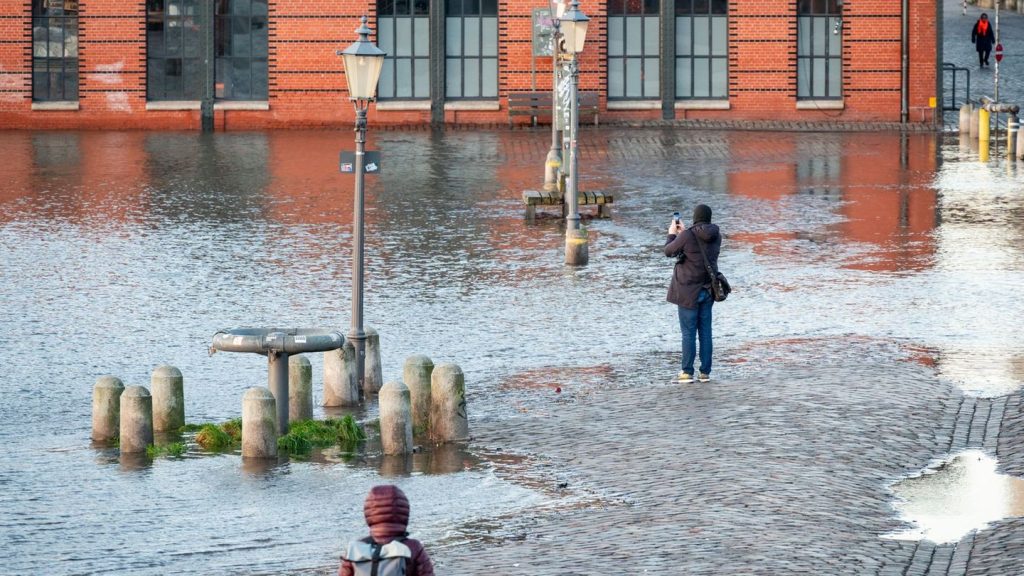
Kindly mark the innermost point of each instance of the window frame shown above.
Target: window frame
(190, 87)
(714, 10)
(224, 63)
(622, 10)
(391, 59)
(461, 59)
(63, 67)
(819, 17)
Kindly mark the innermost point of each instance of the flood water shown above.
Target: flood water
(124, 251)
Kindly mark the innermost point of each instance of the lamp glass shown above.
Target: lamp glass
(574, 29)
(363, 72)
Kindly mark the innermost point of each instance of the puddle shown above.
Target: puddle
(954, 497)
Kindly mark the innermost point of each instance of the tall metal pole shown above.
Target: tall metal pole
(356, 334)
(573, 217)
(996, 75)
(553, 163)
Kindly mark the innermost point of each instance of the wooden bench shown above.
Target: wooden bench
(534, 198)
(538, 105)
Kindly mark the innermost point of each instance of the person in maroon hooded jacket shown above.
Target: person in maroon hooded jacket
(387, 514)
(690, 286)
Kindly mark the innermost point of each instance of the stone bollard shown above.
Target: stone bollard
(975, 115)
(168, 390)
(1012, 128)
(373, 373)
(340, 384)
(300, 389)
(577, 251)
(395, 419)
(1020, 144)
(106, 408)
(448, 419)
(965, 119)
(259, 424)
(136, 420)
(416, 373)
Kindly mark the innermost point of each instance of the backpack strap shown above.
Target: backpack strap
(703, 252)
(375, 563)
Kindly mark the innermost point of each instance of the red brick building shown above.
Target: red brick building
(272, 63)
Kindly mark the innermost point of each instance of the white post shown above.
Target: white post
(374, 377)
(136, 420)
(300, 389)
(106, 408)
(448, 419)
(395, 419)
(341, 387)
(168, 390)
(259, 424)
(416, 373)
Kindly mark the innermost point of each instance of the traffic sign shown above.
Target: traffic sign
(999, 52)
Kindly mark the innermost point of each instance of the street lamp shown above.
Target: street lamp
(553, 162)
(363, 62)
(573, 27)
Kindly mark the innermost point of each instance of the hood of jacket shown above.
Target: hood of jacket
(705, 231)
(387, 512)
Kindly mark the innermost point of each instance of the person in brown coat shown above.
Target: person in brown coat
(387, 514)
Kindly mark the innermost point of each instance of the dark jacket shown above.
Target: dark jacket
(387, 514)
(983, 42)
(689, 275)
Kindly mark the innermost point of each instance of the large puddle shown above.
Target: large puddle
(956, 496)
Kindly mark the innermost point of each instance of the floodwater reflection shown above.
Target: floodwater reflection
(956, 496)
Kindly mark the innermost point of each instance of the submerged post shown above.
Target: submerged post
(965, 119)
(136, 420)
(168, 390)
(340, 387)
(106, 408)
(300, 389)
(259, 424)
(448, 418)
(395, 419)
(1012, 127)
(416, 373)
(278, 370)
(374, 377)
(975, 115)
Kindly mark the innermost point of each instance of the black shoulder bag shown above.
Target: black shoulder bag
(720, 287)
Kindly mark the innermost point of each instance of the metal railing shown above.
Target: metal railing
(951, 71)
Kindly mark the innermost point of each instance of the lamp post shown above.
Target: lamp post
(363, 62)
(553, 163)
(573, 27)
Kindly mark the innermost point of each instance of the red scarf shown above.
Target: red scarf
(982, 27)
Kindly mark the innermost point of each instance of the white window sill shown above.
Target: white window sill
(241, 105)
(634, 104)
(703, 105)
(471, 105)
(820, 105)
(397, 105)
(56, 106)
(173, 105)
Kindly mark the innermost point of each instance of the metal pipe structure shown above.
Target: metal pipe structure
(905, 62)
(356, 334)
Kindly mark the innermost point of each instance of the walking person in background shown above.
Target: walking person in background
(689, 289)
(983, 37)
(388, 550)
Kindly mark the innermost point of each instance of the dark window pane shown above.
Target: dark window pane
(421, 7)
(803, 7)
(701, 6)
(489, 8)
(453, 8)
(402, 7)
(652, 6)
(259, 7)
(818, 6)
(385, 7)
(616, 7)
(259, 80)
(683, 7)
(471, 7)
(719, 6)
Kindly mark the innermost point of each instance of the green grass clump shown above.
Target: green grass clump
(233, 428)
(305, 435)
(212, 437)
(172, 450)
(190, 428)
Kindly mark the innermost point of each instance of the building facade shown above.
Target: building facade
(249, 64)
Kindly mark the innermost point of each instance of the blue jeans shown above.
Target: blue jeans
(694, 323)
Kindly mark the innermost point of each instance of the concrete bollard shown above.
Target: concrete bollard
(395, 419)
(1020, 144)
(136, 420)
(259, 424)
(416, 373)
(300, 389)
(106, 408)
(448, 418)
(340, 384)
(577, 250)
(965, 119)
(373, 373)
(975, 115)
(168, 390)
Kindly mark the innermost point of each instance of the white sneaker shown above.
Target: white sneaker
(685, 378)
(704, 377)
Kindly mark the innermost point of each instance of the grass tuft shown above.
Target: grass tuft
(305, 435)
(212, 437)
(172, 450)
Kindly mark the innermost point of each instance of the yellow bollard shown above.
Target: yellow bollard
(983, 125)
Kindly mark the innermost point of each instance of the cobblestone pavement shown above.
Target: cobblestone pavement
(958, 50)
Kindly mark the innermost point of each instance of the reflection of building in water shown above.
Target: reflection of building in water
(879, 181)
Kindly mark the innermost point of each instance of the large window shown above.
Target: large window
(702, 49)
(172, 50)
(819, 50)
(54, 50)
(403, 31)
(471, 49)
(633, 47)
(240, 37)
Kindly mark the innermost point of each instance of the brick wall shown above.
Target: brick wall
(307, 84)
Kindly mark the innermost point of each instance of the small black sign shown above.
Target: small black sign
(371, 162)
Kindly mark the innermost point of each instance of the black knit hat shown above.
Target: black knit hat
(702, 213)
